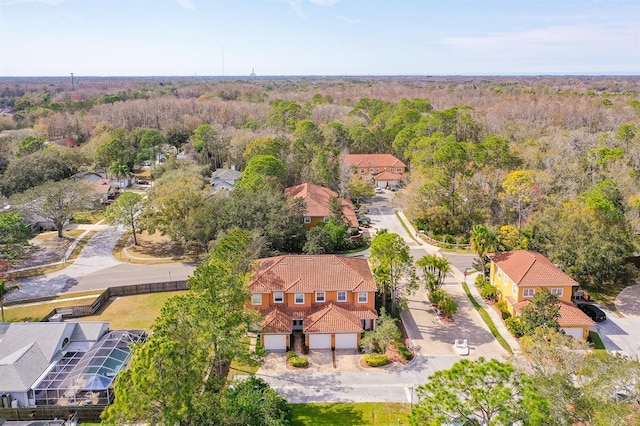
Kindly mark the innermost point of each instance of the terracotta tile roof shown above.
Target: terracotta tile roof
(387, 176)
(299, 287)
(317, 199)
(332, 319)
(373, 160)
(319, 273)
(528, 268)
(570, 315)
(276, 321)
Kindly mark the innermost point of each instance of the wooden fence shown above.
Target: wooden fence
(59, 314)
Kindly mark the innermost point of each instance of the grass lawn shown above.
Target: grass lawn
(36, 312)
(607, 295)
(594, 338)
(366, 413)
(135, 312)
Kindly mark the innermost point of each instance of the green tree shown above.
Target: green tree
(582, 386)
(626, 133)
(5, 289)
(14, 233)
(29, 145)
(119, 170)
(434, 266)
(285, 114)
(360, 187)
(483, 241)
(543, 312)
(386, 330)
(518, 189)
(113, 151)
(393, 268)
(173, 204)
(263, 171)
(210, 144)
(479, 392)
(252, 402)
(126, 211)
(57, 202)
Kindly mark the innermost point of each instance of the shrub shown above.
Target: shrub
(376, 360)
(404, 352)
(489, 292)
(291, 354)
(448, 306)
(481, 282)
(436, 296)
(299, 361)
(259, 349)
(502, 305)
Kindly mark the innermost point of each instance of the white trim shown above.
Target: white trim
(281, 293)
(256, 299)
(324, 296)
(295, 298)
(307, 219)
(344, 299)
(366, 297)
(528, 292)
(558, 292)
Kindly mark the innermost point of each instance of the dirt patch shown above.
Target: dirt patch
(44, 249)
(154, 246)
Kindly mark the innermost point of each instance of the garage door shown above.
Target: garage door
(346, 341)
(320, 341)
(275, 342)
(574, 332)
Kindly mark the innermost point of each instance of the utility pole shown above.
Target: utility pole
(73, 86)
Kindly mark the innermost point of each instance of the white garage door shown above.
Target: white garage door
(319, 341)
(275, 342)
(346, 341)
(573, 332)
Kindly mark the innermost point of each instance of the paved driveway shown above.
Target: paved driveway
(620, 334)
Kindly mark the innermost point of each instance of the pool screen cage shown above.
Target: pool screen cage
(86, 378)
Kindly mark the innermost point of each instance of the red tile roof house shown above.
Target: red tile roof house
(384, 169)
(326, 300)
(520, 274)
(317, 199)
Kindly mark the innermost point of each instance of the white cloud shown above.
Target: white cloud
(348, 20)
(187, 4)
(49, 2)
(324, 2)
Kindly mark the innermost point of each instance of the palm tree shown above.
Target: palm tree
(4, 290)
(119, 170)
(483, 241)
(435, 270)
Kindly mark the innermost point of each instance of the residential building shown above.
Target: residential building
(317, 200)
(520, 274)
(385, 169)
(326, 300)
(224, 179)
(62, 364)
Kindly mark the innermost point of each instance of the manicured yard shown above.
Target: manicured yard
(134, 312)
(366, 413)
(36, 312)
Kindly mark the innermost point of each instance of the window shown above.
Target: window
(361, 171)
(499, 274)
(307, 219)
(557, 292)
(377, 169)
(528, 292)
(505, 279)
(370, 169)
(320, 297)
(278, 297)
(256, 299)
(299, 299)
(514, 288)
(326, 218)
(399, 171)
(363, 297)
(342, 296)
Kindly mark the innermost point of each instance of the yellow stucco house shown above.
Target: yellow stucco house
(520, 274)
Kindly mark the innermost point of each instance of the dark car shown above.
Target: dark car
(364, 219)
(592, 311)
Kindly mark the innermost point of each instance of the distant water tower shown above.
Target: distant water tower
(253, 72)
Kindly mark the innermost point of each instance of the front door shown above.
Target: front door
(297, 324)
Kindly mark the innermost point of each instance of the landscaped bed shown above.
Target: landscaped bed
(367, 413)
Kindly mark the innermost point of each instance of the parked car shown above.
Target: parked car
(592, 311)
(143, 182)
(364, 219)
(379, 190)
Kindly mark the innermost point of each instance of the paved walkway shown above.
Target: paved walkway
(95, 256)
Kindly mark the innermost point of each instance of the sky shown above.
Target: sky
(318, 37)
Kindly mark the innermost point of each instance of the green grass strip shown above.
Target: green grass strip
(487, 319)
(594, 338)
(406, 228)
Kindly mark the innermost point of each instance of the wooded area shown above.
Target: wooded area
(546, 163)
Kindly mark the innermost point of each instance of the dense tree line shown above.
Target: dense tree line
(532, 159)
